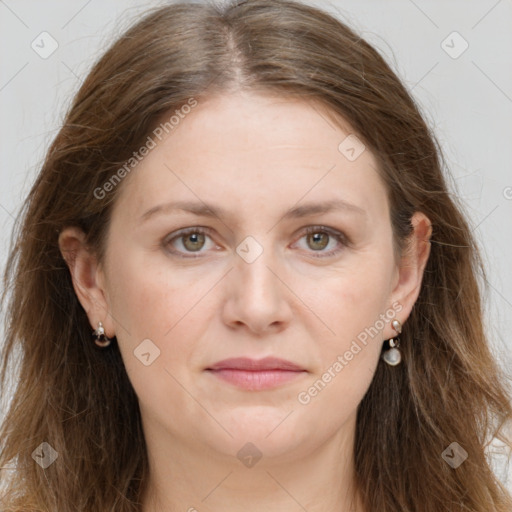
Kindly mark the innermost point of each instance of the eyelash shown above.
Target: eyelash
(338, 236)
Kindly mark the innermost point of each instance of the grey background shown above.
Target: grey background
(467, 100)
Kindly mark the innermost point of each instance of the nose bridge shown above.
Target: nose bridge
(256, 296)
(255, 256)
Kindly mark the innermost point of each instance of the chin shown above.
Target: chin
(271, 436)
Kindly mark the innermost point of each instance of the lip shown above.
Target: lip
(256, 374)
(246, 363)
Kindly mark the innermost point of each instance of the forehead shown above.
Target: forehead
(255, 150)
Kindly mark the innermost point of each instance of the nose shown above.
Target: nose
(257, 296)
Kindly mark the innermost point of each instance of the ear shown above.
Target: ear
(411, 268)
(87, 276)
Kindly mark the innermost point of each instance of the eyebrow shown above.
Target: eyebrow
(206, 210)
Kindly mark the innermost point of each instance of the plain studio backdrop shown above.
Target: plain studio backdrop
(454, 56)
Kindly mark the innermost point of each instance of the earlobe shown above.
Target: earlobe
(86, 277)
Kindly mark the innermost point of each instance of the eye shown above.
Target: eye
(189, 240)
(320, 237)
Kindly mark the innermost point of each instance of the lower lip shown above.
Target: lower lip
(256, 380)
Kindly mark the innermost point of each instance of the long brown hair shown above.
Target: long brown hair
(79, 399)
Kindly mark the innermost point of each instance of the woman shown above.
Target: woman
(246, 208)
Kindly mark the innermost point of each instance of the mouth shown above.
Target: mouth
(256, 375)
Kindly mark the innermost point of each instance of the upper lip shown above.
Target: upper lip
(245, 363)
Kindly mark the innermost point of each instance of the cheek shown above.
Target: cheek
(349, 303)
(349, 357)
(156, 301)
(353, 305)
(151, 310)
(148, 298)
(147, 307)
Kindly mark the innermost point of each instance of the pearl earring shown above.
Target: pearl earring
(393, 356)
(100, 338)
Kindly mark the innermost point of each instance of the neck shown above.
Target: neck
(188, 476)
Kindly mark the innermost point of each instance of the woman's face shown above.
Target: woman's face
(248, 281)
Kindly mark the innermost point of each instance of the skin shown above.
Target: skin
(256, 156)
